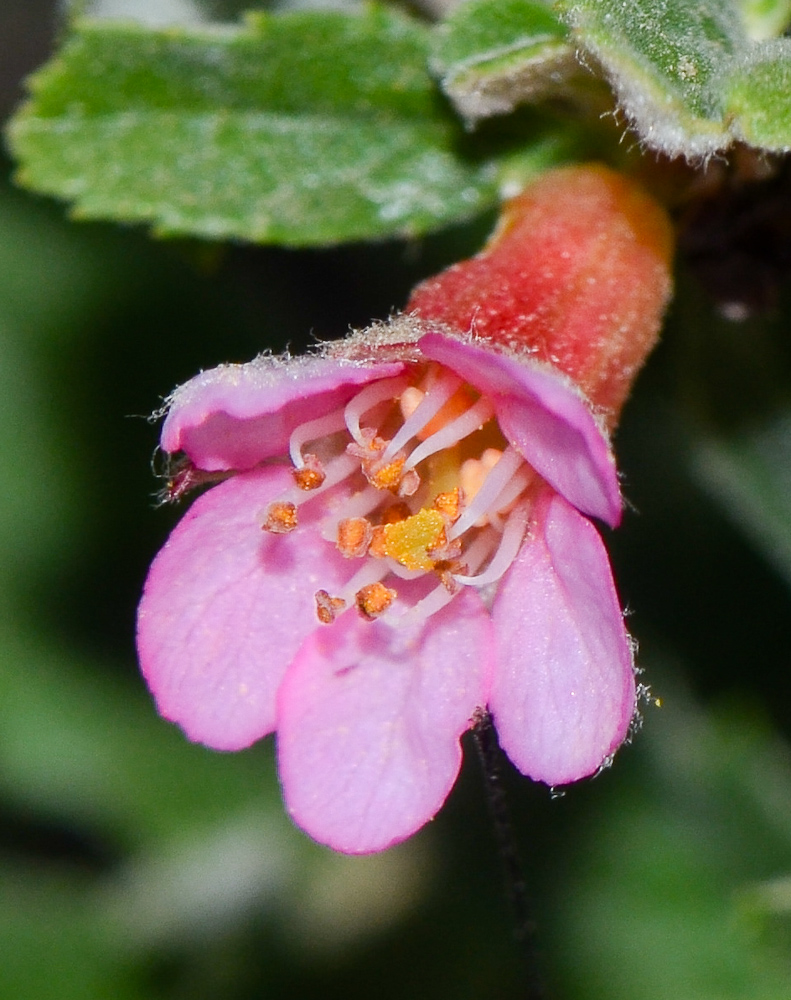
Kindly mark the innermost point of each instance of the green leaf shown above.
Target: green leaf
(302, 129)
(766, 18)
(664, 61)
(493, 55)
(757, 96)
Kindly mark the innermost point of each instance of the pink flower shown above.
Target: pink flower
(504, 600)
(402, 536)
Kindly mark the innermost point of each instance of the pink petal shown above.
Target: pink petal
(225, 608)
(234, 416)
(369, 721)
(544, 418)
(563, 693)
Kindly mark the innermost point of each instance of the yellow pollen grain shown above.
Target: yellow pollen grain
(410, 541)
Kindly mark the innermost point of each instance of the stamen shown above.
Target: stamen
(453, 432)
(515, 486)
(384, 477)
(400, 540)
(276, 513)
(311, 430)
(335, 472)
(366, 399)
(281, 518)
(510, 543)
(328, 608)
(485, 498)
(480, 551)
(354, 537)
(433, 602)
(361, 504)
(311, 475)
(449, 504)
(373, 600)
(372, 571)
(432, 402)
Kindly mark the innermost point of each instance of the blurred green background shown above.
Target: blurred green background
(134, 865)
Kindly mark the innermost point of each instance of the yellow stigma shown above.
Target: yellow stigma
(411, 541)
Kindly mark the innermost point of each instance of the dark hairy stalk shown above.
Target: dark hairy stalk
(490, 755)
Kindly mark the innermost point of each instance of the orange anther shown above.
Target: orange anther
(378, 544)
(445, 570)
(281, 517)
(386, 478)
(374, 600)
(311, 475)
(354, 537)
(328, 608)
(449, 504)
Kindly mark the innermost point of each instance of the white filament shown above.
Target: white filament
(510, 543)
(361, 504)
(431, 403)
(469, 422)
(433, 602)
(372, 571)
(311, 430)
(486, 497)
(336, 471)
(376, 392)
(515, 486)
(401, 571)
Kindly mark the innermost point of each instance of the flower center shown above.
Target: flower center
(426, 486)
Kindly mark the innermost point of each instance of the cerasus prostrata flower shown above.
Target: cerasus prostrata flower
(401, 535)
